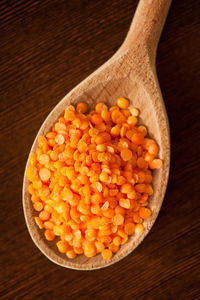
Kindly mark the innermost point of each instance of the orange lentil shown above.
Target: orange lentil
(62, 207)
(147, 143)
(124, 239)
(39, 222)
(106, 136)
(115, 131)
(119, 210)
(101, 147)
(67, 194)
(49, 235)
(101, 127)
(51, 135)
(141, 163)
(123, 130)
(97, 187)
(132, 195)
(148, 157)
(62, 246)
(121, 233)
(118, 219)
(106, 240)
(90, 179)
(140, 187)
(44, 174)
(99, 246)
(125, 203)
(37, 184)
(148, 178)
(101, 107)
(141, 177)
(96, 119)
(60, 127)
(134, 111)
(49, 225)
(31, 173)
(104, 177)
(142, 129)
(44, 159)
(59, 139)
(122, 102)
(106, 116)
(44, 215)
(126, 188)
(132, 120)
(156, 164)
(106, 253)
(129, 228)
(117, 117)
(95, 209)
(33, 159)
(70, 173)
(112, 247)
(38, 206)
(137, 138)
(126, 154)
(117, 240)
(109, 213)
(34, 198)
(99, 139)
(126, 112)
(69, 115)
(139, 228)
(71, 254)
(68, 236)
(144, 212)
(121, 180)
(78, 250)
(81, 108)
(112, 108)
(76, 122)
(136, 218)
(89, 249)
(153, 149)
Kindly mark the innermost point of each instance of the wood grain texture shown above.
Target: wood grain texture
(48, 47)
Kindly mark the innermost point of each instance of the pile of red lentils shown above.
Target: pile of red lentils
(91, 179)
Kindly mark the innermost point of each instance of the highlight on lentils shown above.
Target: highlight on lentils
(90, 179)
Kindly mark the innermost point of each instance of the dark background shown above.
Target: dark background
(47, 48)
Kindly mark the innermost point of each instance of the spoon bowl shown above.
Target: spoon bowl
(129, 73)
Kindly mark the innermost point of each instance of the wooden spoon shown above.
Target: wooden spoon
(129, 73)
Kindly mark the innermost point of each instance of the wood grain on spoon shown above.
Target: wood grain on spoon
(129, 73)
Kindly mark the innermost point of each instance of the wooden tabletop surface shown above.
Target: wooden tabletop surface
(46, 48)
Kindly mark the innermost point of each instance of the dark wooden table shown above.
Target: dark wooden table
(46, 48)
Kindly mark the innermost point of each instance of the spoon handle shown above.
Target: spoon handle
(147, 25)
